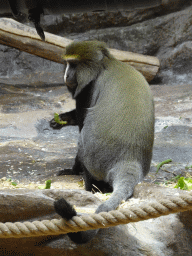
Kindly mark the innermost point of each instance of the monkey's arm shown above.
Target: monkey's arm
(70, 117)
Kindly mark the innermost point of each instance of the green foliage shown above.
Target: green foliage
(46, 186)
(188, 167)
(172, 180)
(14, 183)
(184, 183)
(58, 120)
(162, 163)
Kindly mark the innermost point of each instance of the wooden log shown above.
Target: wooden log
(25, 38)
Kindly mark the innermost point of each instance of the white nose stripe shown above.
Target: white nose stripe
(66, 70)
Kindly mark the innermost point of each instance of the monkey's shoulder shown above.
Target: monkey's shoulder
(122, 73)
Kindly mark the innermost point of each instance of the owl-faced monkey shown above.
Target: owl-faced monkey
(115, 115)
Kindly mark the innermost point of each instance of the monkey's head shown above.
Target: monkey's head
(85, 60)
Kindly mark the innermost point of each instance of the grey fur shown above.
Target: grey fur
(116, 121)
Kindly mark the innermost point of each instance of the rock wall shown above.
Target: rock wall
(163, 31)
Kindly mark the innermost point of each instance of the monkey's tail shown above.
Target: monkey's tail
(66, 211)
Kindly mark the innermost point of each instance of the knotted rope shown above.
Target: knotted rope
(144, 211)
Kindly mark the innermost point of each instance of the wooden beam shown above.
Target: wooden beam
(25, 38)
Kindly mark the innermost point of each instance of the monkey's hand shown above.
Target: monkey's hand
(59, 121)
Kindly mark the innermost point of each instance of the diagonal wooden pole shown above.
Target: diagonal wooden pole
(25, 38)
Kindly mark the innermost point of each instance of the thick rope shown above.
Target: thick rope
(144, 211)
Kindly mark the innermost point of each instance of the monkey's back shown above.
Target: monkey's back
(120, 121)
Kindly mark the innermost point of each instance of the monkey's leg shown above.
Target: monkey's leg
(78, 168)
(70, 117)
(87, 179)
(34, 16)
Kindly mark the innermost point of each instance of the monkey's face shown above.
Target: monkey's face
(70, 76)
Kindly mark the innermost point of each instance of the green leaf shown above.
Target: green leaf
(184, 183)
(58, 120)
(47, 184)
(14, 183)
(162, 163)
(188, 167)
